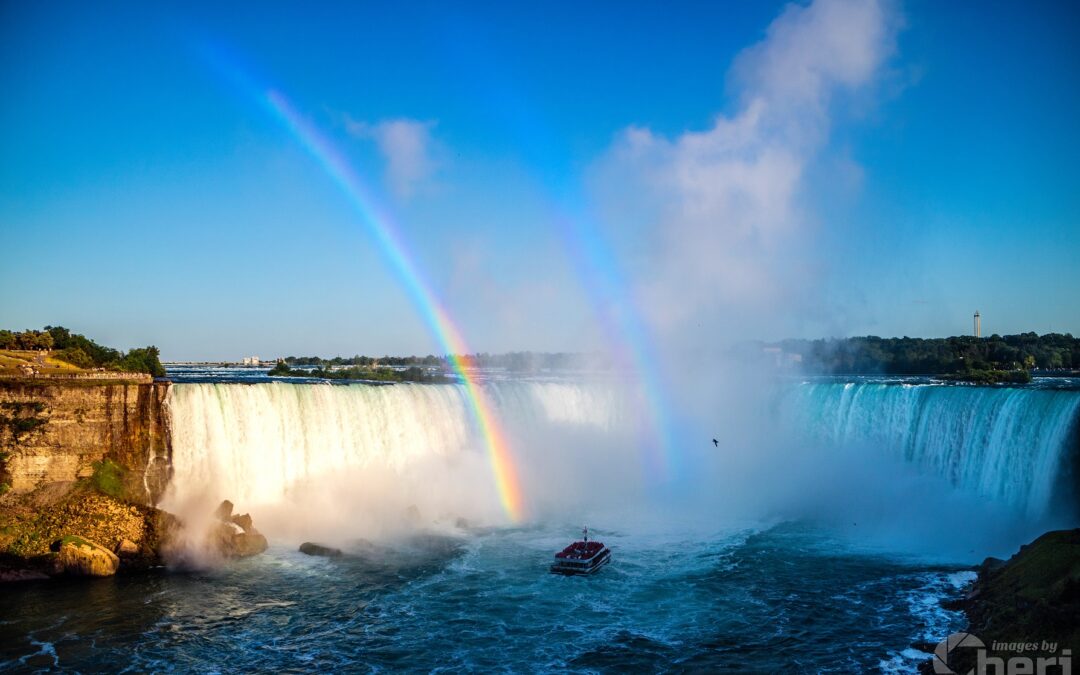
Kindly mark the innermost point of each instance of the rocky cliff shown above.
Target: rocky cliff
(55, 431)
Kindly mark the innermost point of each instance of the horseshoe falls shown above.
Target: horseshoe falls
(267, 444)
(434, 576)
(1017, 446)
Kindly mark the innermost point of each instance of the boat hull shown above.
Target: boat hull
(581, 567)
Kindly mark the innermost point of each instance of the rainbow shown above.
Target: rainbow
(628, 336)
(381, 227)
(615, 307)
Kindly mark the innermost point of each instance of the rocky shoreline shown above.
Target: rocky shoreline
(1025, 608)
(73, 529)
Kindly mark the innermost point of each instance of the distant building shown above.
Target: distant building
(978, 324)
(252, 361)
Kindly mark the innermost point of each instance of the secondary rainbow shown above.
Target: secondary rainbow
(380, 226)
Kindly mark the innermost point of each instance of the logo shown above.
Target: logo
(946, 648)
(1009, 658)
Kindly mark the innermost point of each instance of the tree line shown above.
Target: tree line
(82, 352)
(363, 372)
(512, 361)
(936, 356)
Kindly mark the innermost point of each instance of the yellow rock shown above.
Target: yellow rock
(80, 557)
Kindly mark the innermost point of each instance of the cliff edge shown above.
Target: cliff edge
(55, 430)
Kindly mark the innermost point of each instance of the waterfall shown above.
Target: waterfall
(367, 448)
(260, 443)
(1013, 445)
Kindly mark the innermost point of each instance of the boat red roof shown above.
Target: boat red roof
(580, 550)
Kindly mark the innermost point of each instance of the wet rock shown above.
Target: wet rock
(1035, 595)
(245, 523)
(224, 512)
(126, 548)
(990, 565)
(311, 548)
(235, 536)
(80, 557)
(232, 542)
(247, 544)
(11, 576)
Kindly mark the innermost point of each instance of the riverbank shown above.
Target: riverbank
(80, 529)
(1027, 607)
(34, 527)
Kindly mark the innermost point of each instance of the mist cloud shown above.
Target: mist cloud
(722, 211)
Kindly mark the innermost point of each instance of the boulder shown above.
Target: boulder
(126, 548)
(232, 542)
(235, 536)
(247, 544)
(245, 523)
(224, 512)
(311, 548)
(80, 557)
(7, 575)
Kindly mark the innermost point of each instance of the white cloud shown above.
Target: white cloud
(407, 147)
(722, 209)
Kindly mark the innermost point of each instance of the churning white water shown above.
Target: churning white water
(330, 461)
(392, 450)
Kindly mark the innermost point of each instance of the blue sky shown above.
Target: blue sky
(145, 197)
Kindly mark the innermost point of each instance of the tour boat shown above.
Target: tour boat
(581, 557)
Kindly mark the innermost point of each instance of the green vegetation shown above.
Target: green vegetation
(991, 359)
(513, 361)
(71, 539)
(1033, 596)
(18, 420)
(27, 340)
(145, 360)
(108, 478)
(82, 352)
(1019, 376)
(372, 373)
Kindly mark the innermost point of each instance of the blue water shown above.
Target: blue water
(778, 596)
(785, 599)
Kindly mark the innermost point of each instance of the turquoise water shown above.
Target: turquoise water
(786, 599)
(782, 594)
(1012, 445)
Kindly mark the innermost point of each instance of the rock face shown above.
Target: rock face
(311, 548)
(30, 524)
(224, 511)
(236, 536)
(1034, 597)
(53, 431)
(83, 558)
(243, 522)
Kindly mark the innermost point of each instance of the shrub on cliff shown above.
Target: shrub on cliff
(81, 351)
(64, 340)
(76, 357)
(108, 478)
(145, 360)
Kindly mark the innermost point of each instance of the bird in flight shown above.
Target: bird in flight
(716, 442)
